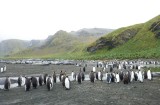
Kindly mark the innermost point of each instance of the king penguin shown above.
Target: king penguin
(45, 78)
(40, 80)
(94, 69)
(121, 75)
(91, 75)
(7, 83)
(100, 75)
(117, 78)
(140, 77)
(132, 76)
(2, 70)
(149, 75)
(136, 76)
(108, 77)
(19, 81)
(60, 76)
(27, 84)
(83, 75)
(49, 83)
(79, 78)
(34, 82)
(145, 74)
(63, 80)
(67, 83)
(54, 76)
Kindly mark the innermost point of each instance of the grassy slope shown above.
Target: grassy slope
(143, 45)
(62, 45)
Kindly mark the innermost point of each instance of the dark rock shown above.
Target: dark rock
(112, 42)
(155, 28)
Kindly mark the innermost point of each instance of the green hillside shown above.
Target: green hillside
(137, 41)
(132, 42)
(60, 45)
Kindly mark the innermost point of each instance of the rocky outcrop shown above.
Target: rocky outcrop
(112, 42)
(155, 28)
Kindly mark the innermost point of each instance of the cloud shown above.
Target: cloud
(36, 19)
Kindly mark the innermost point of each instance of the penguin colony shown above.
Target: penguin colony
(125, 74)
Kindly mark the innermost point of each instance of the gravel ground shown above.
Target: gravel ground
(87, 93)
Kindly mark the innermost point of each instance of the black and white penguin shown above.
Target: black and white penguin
(94, 69)
(136, 76)
(45, 78)
(2, 70)
(83, 76)
(149, 75)
(19, 81)
(63, 80)
(132, 76)
(27, 84)
(97, 65)
(54, 76)
(91, 75)
(73, 74)
(96, 75)
(129, 76)
(140, 77)
(136, 67)
(41, 80)
(119, 67)
(79, 78)
(108, 77)
(100, 75)
(84, 69)
(7, 83)
(121, 75)
(49, 83)
(67, 83)
(112, 77)
(139, 67)
(111, 69)
(60, 76)
(145, 74)
(117, 78)
(34, 82)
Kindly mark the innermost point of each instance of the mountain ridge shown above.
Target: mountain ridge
(61, 41)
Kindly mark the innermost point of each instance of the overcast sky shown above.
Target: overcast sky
(36, 19)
